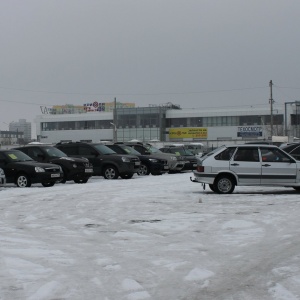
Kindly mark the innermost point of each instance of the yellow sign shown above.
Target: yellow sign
(189, 132)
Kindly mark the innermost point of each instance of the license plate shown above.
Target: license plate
(88, 170)
(55, 175)
(194, 165)
(137, 163)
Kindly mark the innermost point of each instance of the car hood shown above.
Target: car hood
(126, 155)
(33, 163)
(178, 157)
(71, 159)
(166, 156)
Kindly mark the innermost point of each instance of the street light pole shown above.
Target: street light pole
(115, 138)
(115, 132)
(271, 106)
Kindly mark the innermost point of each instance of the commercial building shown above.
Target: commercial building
(170, 123)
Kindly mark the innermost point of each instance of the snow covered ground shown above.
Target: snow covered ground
(152, 237)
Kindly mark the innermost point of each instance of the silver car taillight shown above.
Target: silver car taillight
(200, 169)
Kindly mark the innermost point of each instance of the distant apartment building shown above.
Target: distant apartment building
(23, 127)
(10, 137)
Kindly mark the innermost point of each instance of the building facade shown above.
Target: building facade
(168, 123)
(8, 137)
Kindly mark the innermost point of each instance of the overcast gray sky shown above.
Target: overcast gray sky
(195, 53)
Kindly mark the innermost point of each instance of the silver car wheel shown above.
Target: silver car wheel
(224, 185)
(23, 181)
(143, 170)
(111, 173)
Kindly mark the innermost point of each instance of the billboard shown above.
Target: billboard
(105, 106)
(249, 131)
(188, 132)
(86, 107)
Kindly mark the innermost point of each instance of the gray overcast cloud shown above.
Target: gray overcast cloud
(195, 53)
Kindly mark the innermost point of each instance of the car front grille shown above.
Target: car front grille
(52, 170)
(180, 158)
(163, 162)
(134, 159)
(86, 164)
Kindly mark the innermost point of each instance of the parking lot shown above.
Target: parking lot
(150, 237)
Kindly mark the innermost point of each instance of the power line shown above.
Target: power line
(23, 102)
(278, 89)
(288, 87)
(132, 94)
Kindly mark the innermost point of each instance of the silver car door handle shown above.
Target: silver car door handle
(266, 165)
(234, 164)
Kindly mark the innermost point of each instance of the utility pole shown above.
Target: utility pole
(271, 106)
(115, 121)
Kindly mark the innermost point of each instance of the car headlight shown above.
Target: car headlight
(74, 166)
(153, 160)
(173, 157)
(1, 172)
(125, 159)
(39, 169)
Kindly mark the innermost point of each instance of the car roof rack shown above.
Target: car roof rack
(64, 142)
(134, 143)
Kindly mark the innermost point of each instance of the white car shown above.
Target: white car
(2, 177)
(251, 165)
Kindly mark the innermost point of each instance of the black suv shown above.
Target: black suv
(155, 166)
(106, 162)
(22, 170)
(77, 169)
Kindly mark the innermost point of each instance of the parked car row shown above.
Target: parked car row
(77, 169)
(105, 161)
(175, 163)
(149, 165)
(222, 169)
(78, 161)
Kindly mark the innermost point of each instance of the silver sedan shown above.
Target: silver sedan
(248, 165)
